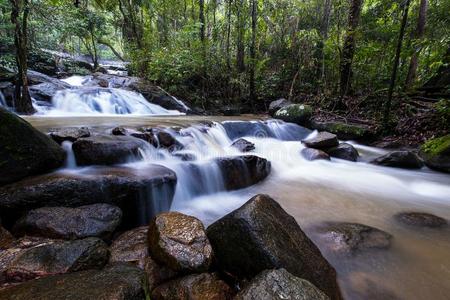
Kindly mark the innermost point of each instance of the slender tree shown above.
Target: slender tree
(240, 27)
(19, 18)
(252, 67)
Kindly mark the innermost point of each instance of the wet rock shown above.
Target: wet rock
(314, 154)
(132, 247)
(399, 159)
(106, 150)
(55, 258)
(179, 242)
(344, 131)
(166, 140)
(146, 136)
(350, 238)
(69, 134)
(436, 154)
(185, 156)
(119, 131)
(35, 78)
(46, 90)
(24, 151)
(243, 171)
(5, 238)
(344, 151)
(194, 287)
(118, 282)
(276, 105)
(420, 219)
(97, 220)
(260, 235)
(295, 113)
(243, 145)
(279, 284)
(322, 140)
(139, 193)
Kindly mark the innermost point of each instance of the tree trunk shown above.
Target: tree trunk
(252, 87)
(228, 36)
(325, 22)
(420, 31)
(387, 108)
(348, 50)
(202, 20)
(116, 53)
(19, 17)
(240, 47)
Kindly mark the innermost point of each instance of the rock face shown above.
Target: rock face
(118, 282)
(420, 219)
(5, 238)
(276, 105)
(69, 134)
(322, 140)
(179, 242)
(295, 113)
(344, 151)
(132, 247)
(106, 150)
(243, 171)
(97, 220)
(344, 131)
(399, 159)
(279, 284)
(260, 235)
(243, 145)
(350, 238)
(151, 188)
(314, 154)
(436, 154)
(194, 287)
(55, 258)
(24, 151)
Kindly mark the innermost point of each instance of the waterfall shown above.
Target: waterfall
(70, 162)
(3, 100)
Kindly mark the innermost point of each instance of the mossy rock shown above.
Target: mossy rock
(6, 74)
(24, 150)
(295, 113)
(344, 131)
(436, 153)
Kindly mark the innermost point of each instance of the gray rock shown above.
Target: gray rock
(399, 159)
(243, 145)
(295, 113)
(420, 219)
(343, 151)
(322, 140)
(314, 154)
(276, 105)
(279, 284)
(69, 134)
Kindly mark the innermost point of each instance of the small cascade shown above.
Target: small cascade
(77, 80)
(70, 162)
(3, 100)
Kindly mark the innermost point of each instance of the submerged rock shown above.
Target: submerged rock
(243, 145)
(343, 151)
(295, 113)
(276, 105)
(24, 151)
(344, 131)
(97, 220)
(420, 219)
(352, 237)
(118, 282)
(279, 284)
(166, 140)
(314, 154)
(260, 235)
(179, 242)
(436, 154)
(69, 134)
(194, 287)
(243, 171)
(399, 159)
(54, 257)
(132, 247)
(322, 140)
(106, 150)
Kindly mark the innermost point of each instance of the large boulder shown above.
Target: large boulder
(420, 219)
(323, 140)
(179, 242)
(279, 284)
(106, 149)
(399, 159)
(54, 257)
(295, 113)
(6, 238)
(344, 131)
(96, 220)
(46, 90)
(194, 287)
(314, 154)
(260, 235)
(276, 105)
(118, 282)
(139, 193)
(243, 171)
(343, 151)
(436, 154)
(132, 247)
(24, 151)
(69, 134)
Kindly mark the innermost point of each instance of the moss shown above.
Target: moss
(295, 110)
(346, 128)
(436, 146)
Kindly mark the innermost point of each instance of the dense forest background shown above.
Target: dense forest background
(361, 57)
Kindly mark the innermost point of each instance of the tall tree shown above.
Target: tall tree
(398, 51)
(418, 35)
(240, 27)
(19, 18)
(348, 50)
(252, 86)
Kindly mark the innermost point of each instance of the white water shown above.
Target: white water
(2, 100)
